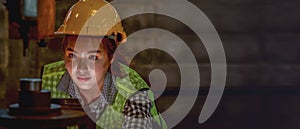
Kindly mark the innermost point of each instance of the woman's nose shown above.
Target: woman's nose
(82, 65)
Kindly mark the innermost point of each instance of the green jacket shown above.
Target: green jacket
(112, 117)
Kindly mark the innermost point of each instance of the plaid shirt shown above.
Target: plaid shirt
(136, 111)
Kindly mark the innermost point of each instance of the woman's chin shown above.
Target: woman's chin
(83, 87)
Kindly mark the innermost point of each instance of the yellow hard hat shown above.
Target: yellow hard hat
(93, 18)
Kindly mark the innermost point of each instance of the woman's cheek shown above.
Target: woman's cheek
(100, 69)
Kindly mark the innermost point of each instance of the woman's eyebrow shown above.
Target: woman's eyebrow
(94, 51)
(70, 49)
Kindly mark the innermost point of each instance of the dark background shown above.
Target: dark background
(261, 42)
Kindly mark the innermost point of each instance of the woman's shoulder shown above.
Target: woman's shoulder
(52, 68)
(55, 65)
(130, 82)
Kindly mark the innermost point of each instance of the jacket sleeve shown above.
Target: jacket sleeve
(137, 112)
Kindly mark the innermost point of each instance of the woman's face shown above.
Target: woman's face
(86, 61)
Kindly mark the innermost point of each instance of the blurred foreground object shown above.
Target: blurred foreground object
(33, 100)
(36, 111)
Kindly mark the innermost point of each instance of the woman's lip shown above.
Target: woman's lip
(83, 79)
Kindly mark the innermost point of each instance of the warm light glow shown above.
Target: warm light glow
(93, 12)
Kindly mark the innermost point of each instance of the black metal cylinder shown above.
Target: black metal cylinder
(30, 84)
(31, 94)
(34, 99)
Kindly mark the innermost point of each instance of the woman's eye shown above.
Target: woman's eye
(93, 57)
(71, 55)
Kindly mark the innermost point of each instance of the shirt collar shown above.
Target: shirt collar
(67, 85)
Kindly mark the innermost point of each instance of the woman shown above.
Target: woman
(113, 95)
